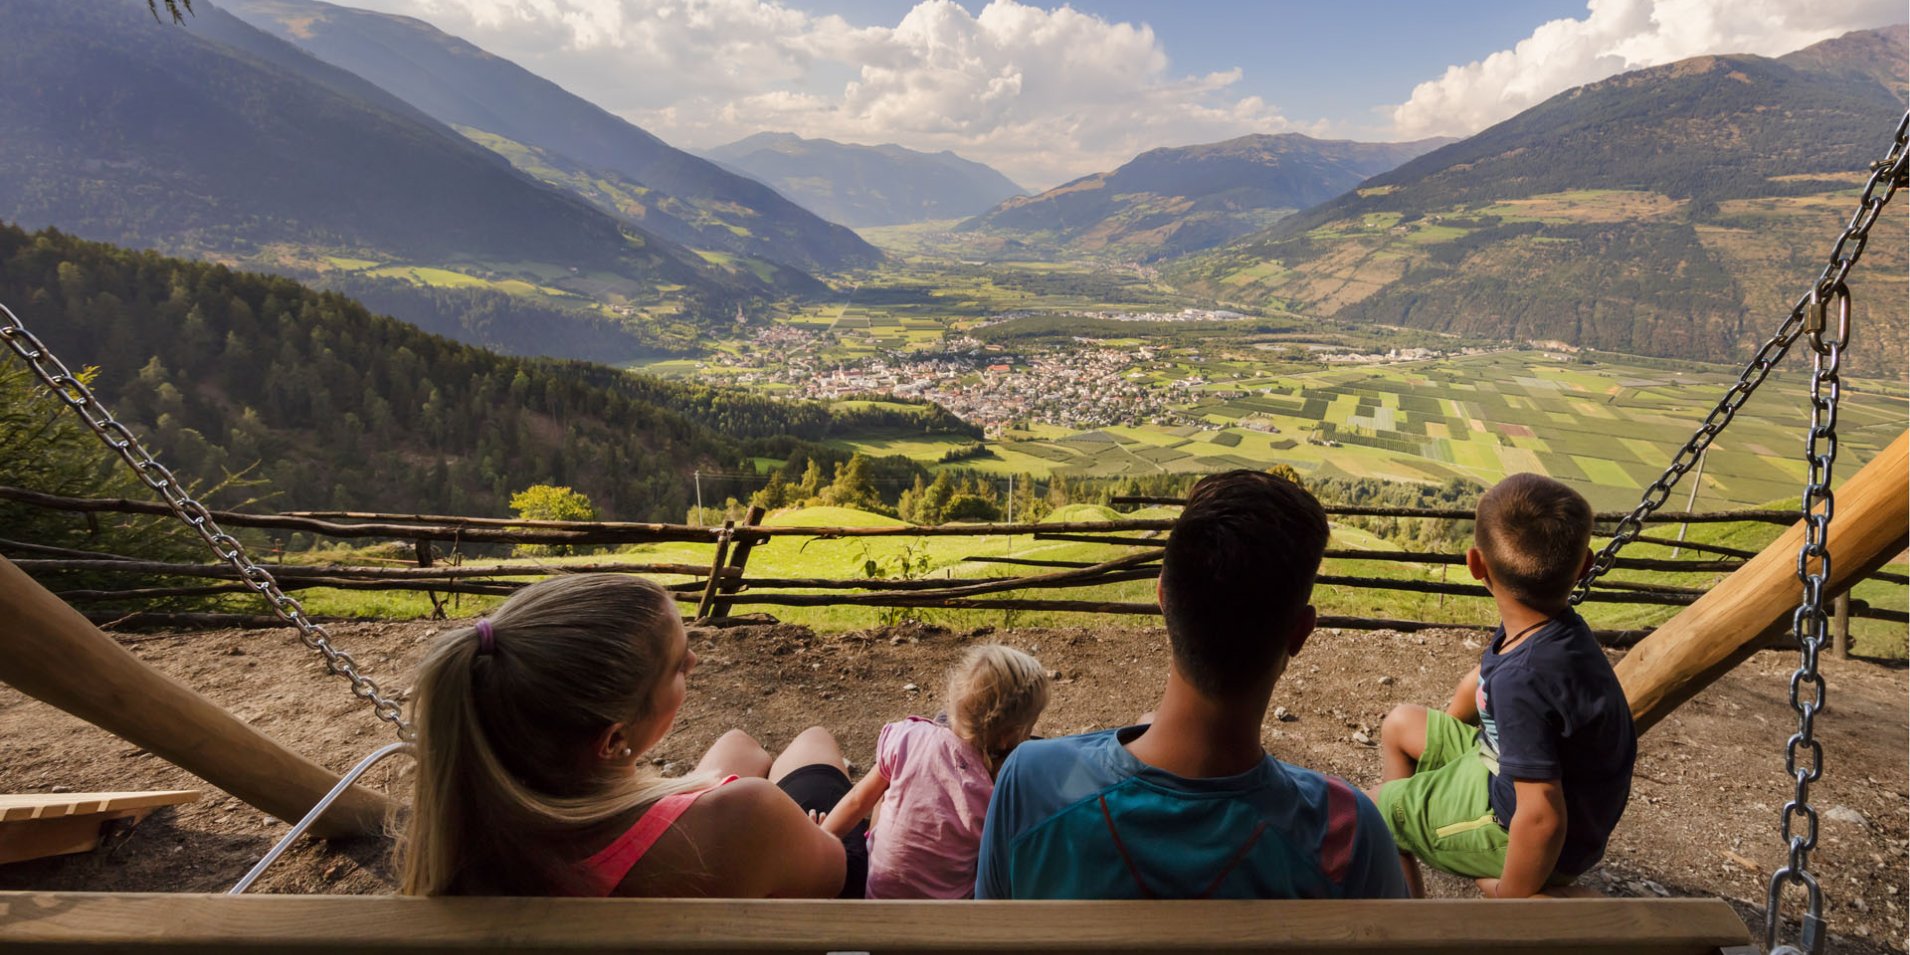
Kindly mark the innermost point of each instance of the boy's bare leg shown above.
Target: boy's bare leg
(1415, 883)
(1402, 740)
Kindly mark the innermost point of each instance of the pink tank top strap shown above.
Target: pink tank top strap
(606, 870)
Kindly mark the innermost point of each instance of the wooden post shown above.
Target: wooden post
(49, 652)
(1722, 628)
(739, 559)
(716, 571)
(423, 550)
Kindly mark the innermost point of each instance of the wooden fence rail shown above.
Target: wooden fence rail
(715, 587)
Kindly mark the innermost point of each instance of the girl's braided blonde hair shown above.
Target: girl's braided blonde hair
(995, 695)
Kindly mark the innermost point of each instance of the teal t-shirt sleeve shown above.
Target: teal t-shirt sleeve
(1375, 871)
(991, 868)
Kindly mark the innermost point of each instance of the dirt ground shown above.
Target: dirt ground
(1703, 817)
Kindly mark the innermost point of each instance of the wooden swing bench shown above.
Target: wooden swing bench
(364, 925)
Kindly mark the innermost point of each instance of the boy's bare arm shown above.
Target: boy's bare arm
(1535, 838)
(1465, 699)
(856, 804)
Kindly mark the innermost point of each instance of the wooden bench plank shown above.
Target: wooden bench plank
(17, 806)
(81, 922)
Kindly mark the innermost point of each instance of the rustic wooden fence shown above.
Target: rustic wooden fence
(722, 584)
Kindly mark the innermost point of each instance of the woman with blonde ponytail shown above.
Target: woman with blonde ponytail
(532, 728)
(933, 778)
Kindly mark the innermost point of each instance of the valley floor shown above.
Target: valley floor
(1703, 818)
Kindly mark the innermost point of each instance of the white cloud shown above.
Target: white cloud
(1042, 94)
(1620, 35)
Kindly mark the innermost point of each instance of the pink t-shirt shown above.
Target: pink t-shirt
(929, 832)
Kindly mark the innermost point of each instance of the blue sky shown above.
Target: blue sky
(1046, 92)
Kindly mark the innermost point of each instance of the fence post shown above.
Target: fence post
(739, 558)
(422, 547)
(716, 570)
(1840, 628)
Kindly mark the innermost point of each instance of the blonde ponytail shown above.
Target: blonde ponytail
(995, 695)
(508, 784)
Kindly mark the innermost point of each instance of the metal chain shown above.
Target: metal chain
(1886, 177)
(1827, 330)
(70, 389)
(1810, 625)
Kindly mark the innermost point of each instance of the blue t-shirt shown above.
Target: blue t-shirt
(1553, 709)
(1081, 818)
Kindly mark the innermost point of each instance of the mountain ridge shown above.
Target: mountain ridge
(1173, 200)
(460, 84)
(867, 185)
(201, 147)
(1656, 212)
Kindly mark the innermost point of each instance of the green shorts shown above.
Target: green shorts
(1443, 814)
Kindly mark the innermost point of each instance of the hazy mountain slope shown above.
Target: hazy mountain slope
(1669, 211)
(1172, 201)
(867, 185)
(694, 201)
(146, 134)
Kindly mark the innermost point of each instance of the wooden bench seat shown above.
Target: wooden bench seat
(362, 925)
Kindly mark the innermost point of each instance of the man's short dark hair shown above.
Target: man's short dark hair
(1533, 532)
(1238, 571)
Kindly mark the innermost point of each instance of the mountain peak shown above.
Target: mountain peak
(863, 185)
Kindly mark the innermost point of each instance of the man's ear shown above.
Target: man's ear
(1585, 567)
(1476, 565)
(1303, 625)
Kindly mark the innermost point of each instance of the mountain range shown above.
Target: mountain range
(1673, 211)
(867, 185)
(561, 138)
(225, 143)
(1172, 201)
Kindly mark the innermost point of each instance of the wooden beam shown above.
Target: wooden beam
(1706, 639)
(37, 825)
(51, 653)
(364, 925)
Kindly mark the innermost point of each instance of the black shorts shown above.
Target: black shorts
(819, 786)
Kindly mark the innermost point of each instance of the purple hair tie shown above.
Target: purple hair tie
(487, 641)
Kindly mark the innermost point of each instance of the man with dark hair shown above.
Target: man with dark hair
(1525, 799)
(1190, 805)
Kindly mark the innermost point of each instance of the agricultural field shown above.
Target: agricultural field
(1608, 428)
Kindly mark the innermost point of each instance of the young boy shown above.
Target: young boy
(1526, 798)
(1190, 805)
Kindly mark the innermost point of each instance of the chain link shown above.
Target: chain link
(70, 389)
(1886, 177)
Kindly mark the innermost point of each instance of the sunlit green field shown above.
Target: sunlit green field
(956, 558)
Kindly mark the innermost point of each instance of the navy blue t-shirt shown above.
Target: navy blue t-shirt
(1552, 709)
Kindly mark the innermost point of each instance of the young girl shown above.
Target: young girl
(532, 728)
(933, 779)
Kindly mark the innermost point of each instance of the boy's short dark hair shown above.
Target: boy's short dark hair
(1239, 567)
(1533, 532)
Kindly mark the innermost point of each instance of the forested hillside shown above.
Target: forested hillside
(343, 408)
(1673, 211)
(562, 138)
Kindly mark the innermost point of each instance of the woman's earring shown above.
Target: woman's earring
(627, 752)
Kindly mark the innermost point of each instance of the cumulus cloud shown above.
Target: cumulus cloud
(1042, 94)
(1620, 35)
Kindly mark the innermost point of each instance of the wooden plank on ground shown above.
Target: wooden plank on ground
(361, 925)
(37, 825)
(17, 806)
